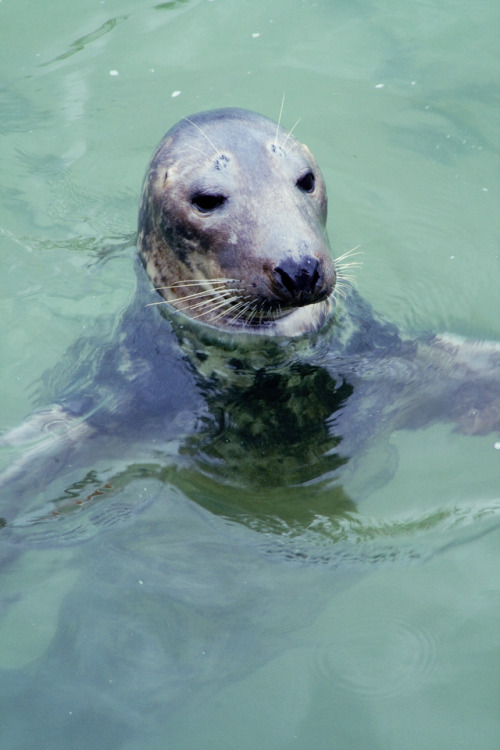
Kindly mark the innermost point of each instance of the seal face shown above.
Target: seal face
(232, 225)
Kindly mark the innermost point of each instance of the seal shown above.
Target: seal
(232, 225)
(232, 236)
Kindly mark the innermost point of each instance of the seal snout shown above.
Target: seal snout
(301, 282)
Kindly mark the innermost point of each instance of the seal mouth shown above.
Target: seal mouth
(224, 303)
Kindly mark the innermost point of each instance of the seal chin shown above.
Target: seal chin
(307, 319)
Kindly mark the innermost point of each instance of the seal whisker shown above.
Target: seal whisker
(348, 277)
(340, 290)
(290, 133)
(270, 314)
(349, 254)
(262, 312)
(197, 295)
(224, 304)
(209, 300)
(243, 308)
(183, 299)
(204, 135)
(209, 158)
(345, 279)
(237, 309)
(279, 121)
(346, 273)
(352, 264)
(208, 293)
(161, 302)
(343, 283)
(257, 310)
(195, 282)
(248, 313)
(250, 318)
(343, 265)
(233, 318)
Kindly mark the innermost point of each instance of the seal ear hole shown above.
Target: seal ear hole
(307, 182)
(205, 203)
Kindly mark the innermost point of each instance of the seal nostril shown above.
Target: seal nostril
(286, 280)
(301, 280)
(315, 276)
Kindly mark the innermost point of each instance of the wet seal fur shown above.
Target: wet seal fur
(252, 375)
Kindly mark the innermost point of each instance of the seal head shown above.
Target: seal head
(232, 225)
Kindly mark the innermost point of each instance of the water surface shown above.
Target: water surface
(169, 624)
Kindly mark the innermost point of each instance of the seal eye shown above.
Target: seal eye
(307, 182)
(205, 203)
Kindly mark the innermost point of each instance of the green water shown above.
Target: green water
(167, 628)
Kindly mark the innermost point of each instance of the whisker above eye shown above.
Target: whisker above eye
(200, 130)
(290, 133)
(209, 158)
(279, 121)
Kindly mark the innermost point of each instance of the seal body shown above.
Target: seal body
(232, 225)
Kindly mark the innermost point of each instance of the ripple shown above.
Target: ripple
(84, 522)
(380, 657)
(365, 543)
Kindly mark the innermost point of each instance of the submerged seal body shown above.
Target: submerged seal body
(232, 225)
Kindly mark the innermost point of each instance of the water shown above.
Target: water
(172, 625)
